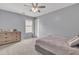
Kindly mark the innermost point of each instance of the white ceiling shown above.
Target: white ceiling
(21, 9)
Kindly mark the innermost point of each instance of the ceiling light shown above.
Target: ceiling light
(34, 9)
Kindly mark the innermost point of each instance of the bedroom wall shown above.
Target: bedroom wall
(14, 21)
(63, 22)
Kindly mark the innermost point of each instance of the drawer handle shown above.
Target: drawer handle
(6, 41)
(6, 37)
(5, 33)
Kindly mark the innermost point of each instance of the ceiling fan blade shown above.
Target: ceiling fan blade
(33, 5)
(39, 11)
(41, 6)
(36, 4)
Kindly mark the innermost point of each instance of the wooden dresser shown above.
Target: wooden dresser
(8, 37)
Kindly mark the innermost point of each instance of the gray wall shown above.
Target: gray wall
(14, 21)
(64, 22)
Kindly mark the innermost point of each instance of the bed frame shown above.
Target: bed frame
(43, 51)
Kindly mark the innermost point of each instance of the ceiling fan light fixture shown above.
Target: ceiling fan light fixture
(34, 9)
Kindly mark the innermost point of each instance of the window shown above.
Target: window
(28, 26)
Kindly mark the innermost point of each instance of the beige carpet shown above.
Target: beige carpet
(24, 47)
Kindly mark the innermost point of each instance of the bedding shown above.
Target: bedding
(55, 45)
(74, 41)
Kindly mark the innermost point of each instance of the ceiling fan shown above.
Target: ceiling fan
(35, 7)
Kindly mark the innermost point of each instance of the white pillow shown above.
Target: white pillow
(74, 41)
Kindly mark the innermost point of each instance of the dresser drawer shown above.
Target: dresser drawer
(8, 37)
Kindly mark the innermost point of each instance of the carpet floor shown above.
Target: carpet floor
(24, 47)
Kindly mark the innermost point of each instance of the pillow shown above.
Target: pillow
(74, 41)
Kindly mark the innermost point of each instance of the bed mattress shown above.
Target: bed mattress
(55, 45)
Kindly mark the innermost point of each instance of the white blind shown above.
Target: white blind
(28, 26)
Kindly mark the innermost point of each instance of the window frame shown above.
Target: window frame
(26, 26)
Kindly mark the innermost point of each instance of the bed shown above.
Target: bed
(55, 45)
